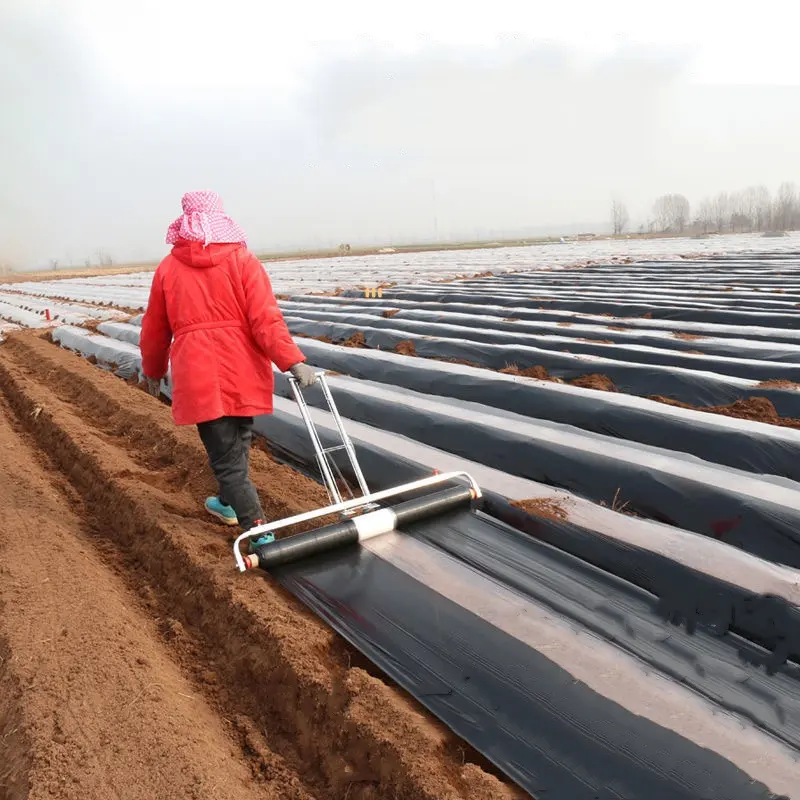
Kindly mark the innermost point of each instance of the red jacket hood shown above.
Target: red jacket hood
(195, 254)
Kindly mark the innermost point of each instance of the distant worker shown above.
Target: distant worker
(213, 315)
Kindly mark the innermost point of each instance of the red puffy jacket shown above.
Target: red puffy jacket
(212, 313)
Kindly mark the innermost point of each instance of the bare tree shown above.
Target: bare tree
(619, 216)
(681, 211)
(103, 258)
(740, 219)
(671, 212)
(749, 206)
(661, 212)
(752, 209)
(706, 215)
(762, 215)
(722, 211)
(786, 207)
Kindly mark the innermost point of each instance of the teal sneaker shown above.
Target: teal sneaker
(256, 542)
(225, 514)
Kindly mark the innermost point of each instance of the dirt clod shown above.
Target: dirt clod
(356, 340)
(405, 348)
(542, 507)
(779, 383)
(756, 409)
(538, 372)
(601, 383)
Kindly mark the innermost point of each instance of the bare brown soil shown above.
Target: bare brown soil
(405, 348)
(135, 661)
(542, 507)
(75, 272)
(778, 383)
(538, 372)
(356, 340)
(756, 409)
(595, 381)
(601, 383)
(390, 312)
(688, 337)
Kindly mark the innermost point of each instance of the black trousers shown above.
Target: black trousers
(227, 441)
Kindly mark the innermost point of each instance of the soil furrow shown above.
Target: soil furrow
(253, 652)
(92, 705)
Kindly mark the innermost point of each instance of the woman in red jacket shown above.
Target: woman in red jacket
(213, 315)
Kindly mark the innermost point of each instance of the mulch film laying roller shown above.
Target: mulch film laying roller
(362, 517)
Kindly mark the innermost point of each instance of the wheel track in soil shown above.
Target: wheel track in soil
(303, 717)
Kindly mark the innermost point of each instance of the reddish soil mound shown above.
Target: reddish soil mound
(326, 339)
(777, 383)
(390, 312)
(540, 373)
(689, 337)
(601, 383)
(757, 409)
(134, 661)
(595, 381)
(542, 507)
(405, 348)
(356, 340)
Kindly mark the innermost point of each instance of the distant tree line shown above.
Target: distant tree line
(752, 210)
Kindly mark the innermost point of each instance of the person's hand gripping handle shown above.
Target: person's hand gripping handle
(304, 375)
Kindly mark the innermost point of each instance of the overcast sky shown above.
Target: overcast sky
(361, 122)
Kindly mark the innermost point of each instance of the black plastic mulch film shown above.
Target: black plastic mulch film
(553, 735)
(761, 363)
(666, 348)
(688, 386)
(745, 449)
(678, 493)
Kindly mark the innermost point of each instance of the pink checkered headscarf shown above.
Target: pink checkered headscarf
(204, 220)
